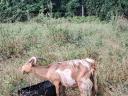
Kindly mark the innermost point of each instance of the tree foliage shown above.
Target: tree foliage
(21, 10)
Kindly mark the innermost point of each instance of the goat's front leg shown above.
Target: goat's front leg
(57, 85)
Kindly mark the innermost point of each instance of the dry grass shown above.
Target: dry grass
(60, 39)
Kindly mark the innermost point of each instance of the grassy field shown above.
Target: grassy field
(65, 39)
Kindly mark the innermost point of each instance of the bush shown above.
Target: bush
(11, 11)
(105, 9)
(78, 19)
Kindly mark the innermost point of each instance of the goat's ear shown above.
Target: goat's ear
(32, 61)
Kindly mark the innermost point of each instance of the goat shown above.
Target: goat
(45, 88)
(64, 74)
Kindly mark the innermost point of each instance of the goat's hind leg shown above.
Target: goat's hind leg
(85, 87)
(81, 89)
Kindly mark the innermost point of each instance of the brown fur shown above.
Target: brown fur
(78, 71)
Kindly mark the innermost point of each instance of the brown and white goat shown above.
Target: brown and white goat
(72, 73)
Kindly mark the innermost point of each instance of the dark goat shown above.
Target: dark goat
(45, 88)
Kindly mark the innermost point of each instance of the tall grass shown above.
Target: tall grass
(64, 39)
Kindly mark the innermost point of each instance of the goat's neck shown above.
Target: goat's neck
(40, 72)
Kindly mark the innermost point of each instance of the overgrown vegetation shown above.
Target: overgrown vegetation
(65, 39)
(22, 10)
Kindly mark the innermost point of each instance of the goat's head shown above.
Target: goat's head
(27, 68)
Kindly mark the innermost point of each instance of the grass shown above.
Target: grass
(64, 39)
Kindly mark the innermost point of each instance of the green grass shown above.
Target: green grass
(64, 39)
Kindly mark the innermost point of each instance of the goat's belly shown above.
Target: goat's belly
(66, 78)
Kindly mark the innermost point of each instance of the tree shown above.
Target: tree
(73, 8)
(22, 10)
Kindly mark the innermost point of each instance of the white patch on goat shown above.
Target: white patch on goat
(86, 64)
(66, 77)
(90, 60)
(78, 61)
